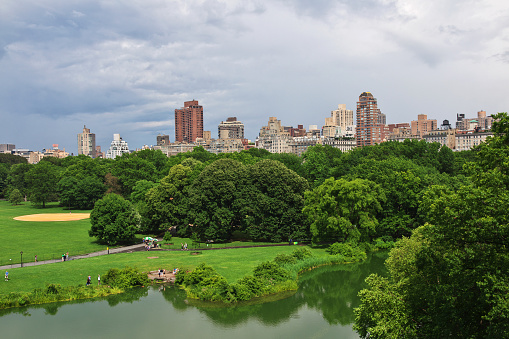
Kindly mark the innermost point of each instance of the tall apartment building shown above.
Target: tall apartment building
(369, 130)
(86, 143)
(340, 122)
(189, 122)
(117, 147)
(230, 129)
(423, 125)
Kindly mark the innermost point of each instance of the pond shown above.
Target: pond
(321, 308)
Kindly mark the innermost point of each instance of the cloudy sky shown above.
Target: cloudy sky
(124, 66)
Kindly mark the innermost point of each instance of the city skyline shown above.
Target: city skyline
(124, 68)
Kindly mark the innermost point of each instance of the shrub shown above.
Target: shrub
(125, 278)
(200, 273)
(302, 253)
(271, 272)
(284, 259)
(15, 197)
(346, 250)
(384, 243)
(252, 284)
(167, 237)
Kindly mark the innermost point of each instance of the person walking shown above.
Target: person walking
(98, 280)
(6, 276)
(36, 258)
(89, 280)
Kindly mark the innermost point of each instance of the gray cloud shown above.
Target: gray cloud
(123, 67)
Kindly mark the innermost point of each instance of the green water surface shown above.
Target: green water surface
(321, 308)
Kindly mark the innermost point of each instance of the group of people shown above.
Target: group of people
(183, 246)
(65, 257)
(89, 280)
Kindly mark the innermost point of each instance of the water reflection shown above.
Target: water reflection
(322, 308)
(129, 296)
(330, 290)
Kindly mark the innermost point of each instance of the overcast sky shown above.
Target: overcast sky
(124, 66)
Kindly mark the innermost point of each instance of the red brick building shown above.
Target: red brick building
(369, 129)
(189, 122)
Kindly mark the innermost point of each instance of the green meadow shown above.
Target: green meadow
(233, 264)
(46, 239)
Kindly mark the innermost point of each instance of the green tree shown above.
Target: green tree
(130, 170)
(16, 177)
(166, 203)
(42, 182)
(4, 172)
(85, 166)
(450, 278)
(114, 220)
(80, 194)
(271, 202)
(15, 197)
(342, 210)
(11, 159)
(318, 163)
(212, 199)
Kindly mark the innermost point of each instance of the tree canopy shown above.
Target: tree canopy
(114, 220)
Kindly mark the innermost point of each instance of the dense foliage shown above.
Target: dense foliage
(114, 220)
(370, 194)
(127, 277)
(449, 279)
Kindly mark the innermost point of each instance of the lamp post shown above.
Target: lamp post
(21, 253)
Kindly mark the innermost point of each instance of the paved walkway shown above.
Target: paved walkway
(125, 249)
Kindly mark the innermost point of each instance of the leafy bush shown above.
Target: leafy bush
(125, 278)
(271, 272)
(167, 237)
(384, 243)
(199, 274)
(15, 197)
(302, 253)
(346, 250)
(284, 259)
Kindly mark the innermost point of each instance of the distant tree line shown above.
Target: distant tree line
(325, 195)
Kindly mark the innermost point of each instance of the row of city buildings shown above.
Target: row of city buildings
(342, 130)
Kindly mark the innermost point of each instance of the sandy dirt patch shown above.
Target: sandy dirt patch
(53, 217)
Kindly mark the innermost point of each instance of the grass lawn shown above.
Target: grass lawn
(52, 239)
(47, 239)
(233, 264)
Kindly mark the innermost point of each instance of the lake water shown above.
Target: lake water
(321, 308)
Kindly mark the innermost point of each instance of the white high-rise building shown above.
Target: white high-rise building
(117, 148)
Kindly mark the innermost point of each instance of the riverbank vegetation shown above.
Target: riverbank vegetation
(451, 205)
(113, 282)
(269, 277)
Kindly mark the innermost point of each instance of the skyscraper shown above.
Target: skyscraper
(230, 129)
(189, 122)
(86, 143)
(369, 129)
